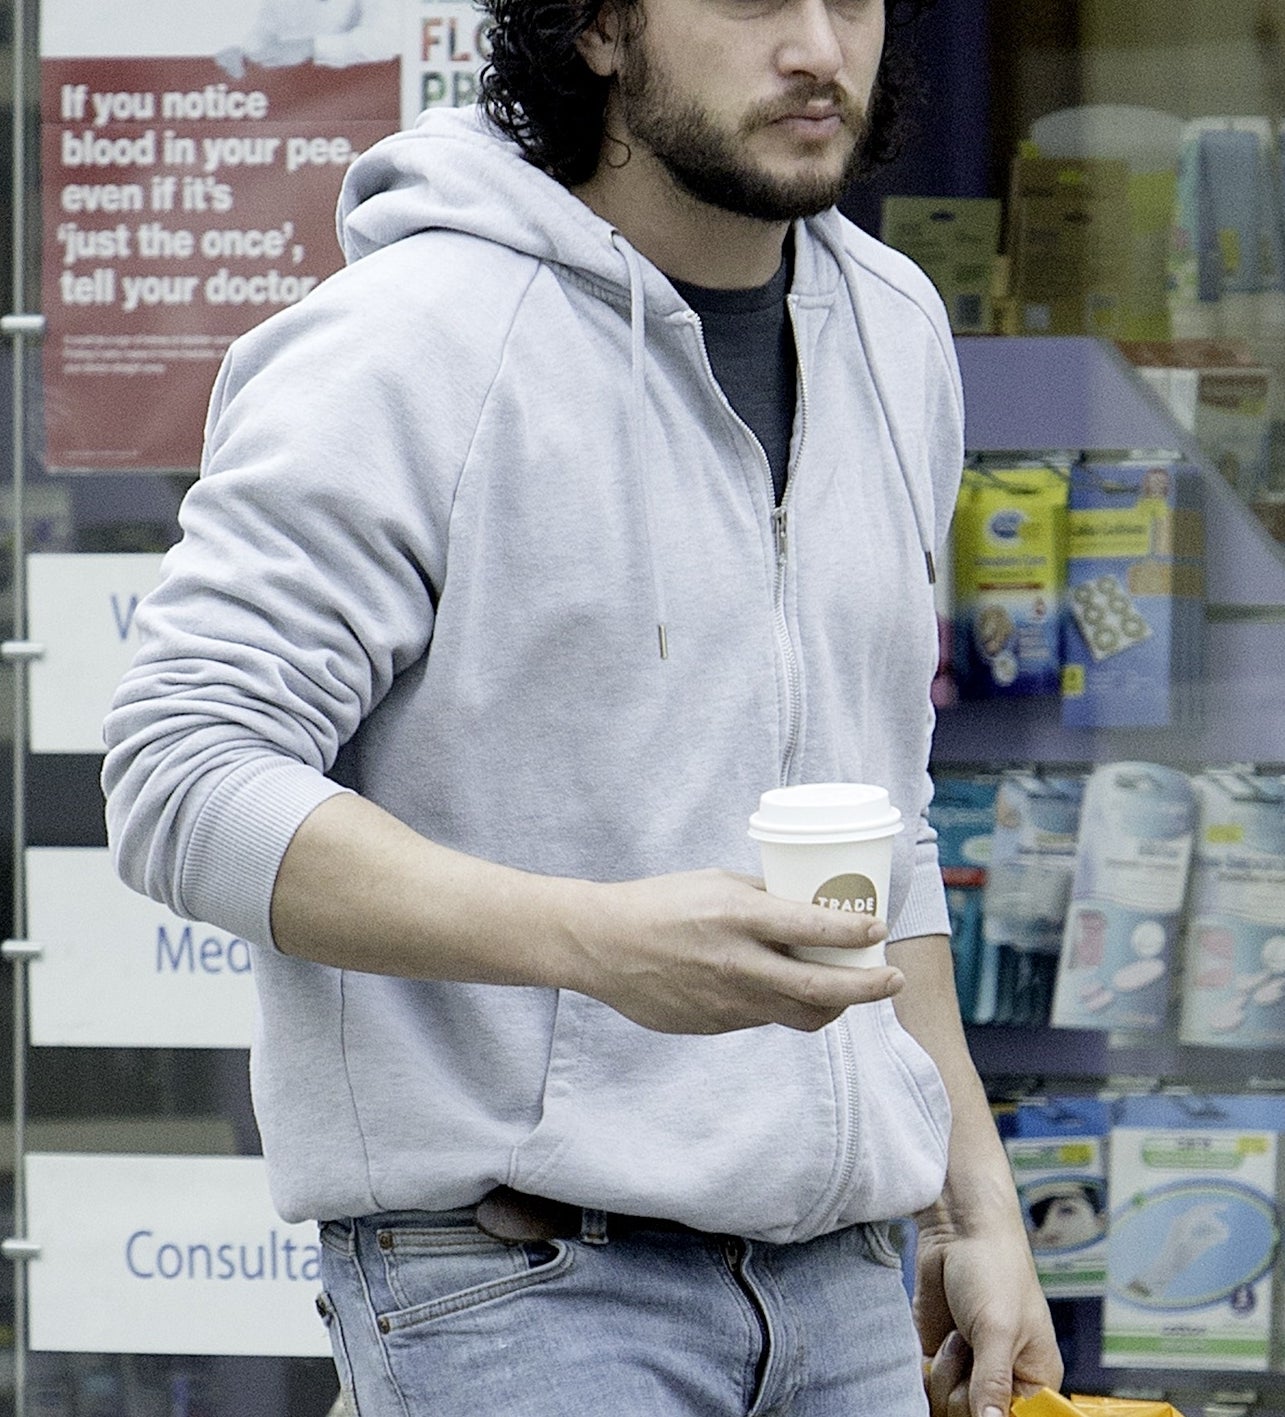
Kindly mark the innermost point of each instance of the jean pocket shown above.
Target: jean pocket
(878, 1242)
(435, 1271)
(339, 1348)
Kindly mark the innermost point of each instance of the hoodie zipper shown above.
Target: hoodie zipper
(779, 517)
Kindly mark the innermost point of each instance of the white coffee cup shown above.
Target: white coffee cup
(829, 843)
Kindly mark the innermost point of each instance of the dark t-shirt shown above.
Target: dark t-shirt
(751, 349)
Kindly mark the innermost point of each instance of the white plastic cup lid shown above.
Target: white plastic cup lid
(825, 811)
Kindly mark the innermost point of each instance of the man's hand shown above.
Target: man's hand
(981, 1313)
(704, 952)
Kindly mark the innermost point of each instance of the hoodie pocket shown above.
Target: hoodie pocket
(897, 1120)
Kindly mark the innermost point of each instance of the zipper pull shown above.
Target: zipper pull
(779, 523)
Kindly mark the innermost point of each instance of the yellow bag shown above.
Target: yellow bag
(1049, 1404)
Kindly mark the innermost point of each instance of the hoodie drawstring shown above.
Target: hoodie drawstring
(885, 403)
(637, 426)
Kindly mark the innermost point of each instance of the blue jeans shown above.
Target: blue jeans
(430, 1317)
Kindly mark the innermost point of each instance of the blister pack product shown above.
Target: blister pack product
(963, 815)
(1107, 616)
(1133, 628)
(1233, 988)
(1025, 897)
(1009, 552)
(1131, 867)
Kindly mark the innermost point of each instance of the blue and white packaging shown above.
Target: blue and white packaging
(1233, 990)
(1057, 1151)
(1025, 898)
(1191, 1243)
(1132, 652)
(1132, 860)
(963, 815)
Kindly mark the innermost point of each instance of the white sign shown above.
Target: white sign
(168, 1254)
(82, 611)
(445, 50)
(120, 971)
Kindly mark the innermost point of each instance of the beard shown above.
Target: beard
(709, 160)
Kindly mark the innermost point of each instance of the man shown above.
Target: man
(558, 575)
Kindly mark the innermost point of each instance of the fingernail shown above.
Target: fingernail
(954, 1342)
(992, 1412)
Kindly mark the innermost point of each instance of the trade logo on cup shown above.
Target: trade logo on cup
(851, 891)
(830, 844)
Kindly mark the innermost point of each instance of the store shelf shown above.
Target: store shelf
(1024, 394)
(1028, 394)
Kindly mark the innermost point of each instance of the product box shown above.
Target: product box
(962, 814)
(1190, 1248)
(1070, 246)
(1233, 988)
(955, 240)
(1217, 391)
(1119, 944)
(1057, 1151)
(1227, 233)
(1134, 627)
(1009, 569)
(1024, 900)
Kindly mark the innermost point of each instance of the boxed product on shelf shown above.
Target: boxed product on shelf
(1057, 1151)
(1219, 392)
(1227, 233)
(963, 815)
(955, 240)
(1134, 624)
(1119, 944)
(1025, 896)
(1191, 1244)
(1009, 566)
(1069, 243)
(1233, 986)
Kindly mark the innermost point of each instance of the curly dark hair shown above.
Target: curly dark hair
(537, 89)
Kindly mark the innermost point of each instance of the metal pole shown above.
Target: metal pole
(20, 331)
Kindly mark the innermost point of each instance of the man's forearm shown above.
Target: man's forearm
(693, 952)
(358, 889)
(979, 1187)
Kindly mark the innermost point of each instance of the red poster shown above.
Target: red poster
(182, 205)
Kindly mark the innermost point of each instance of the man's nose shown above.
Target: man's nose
(810, 44)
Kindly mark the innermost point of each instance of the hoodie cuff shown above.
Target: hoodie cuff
(924, 912)
(230, 866)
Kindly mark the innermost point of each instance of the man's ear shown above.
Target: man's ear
(598, 45)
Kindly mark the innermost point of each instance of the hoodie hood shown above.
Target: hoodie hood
(453, 170)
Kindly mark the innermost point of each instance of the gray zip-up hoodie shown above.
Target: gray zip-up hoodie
(446, 502)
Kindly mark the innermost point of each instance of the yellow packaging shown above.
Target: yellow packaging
(955, 240)
(1009, 544)
(1047, 1403)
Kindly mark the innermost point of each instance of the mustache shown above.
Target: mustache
(802, 95)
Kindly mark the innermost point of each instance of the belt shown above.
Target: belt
(515, 1217)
